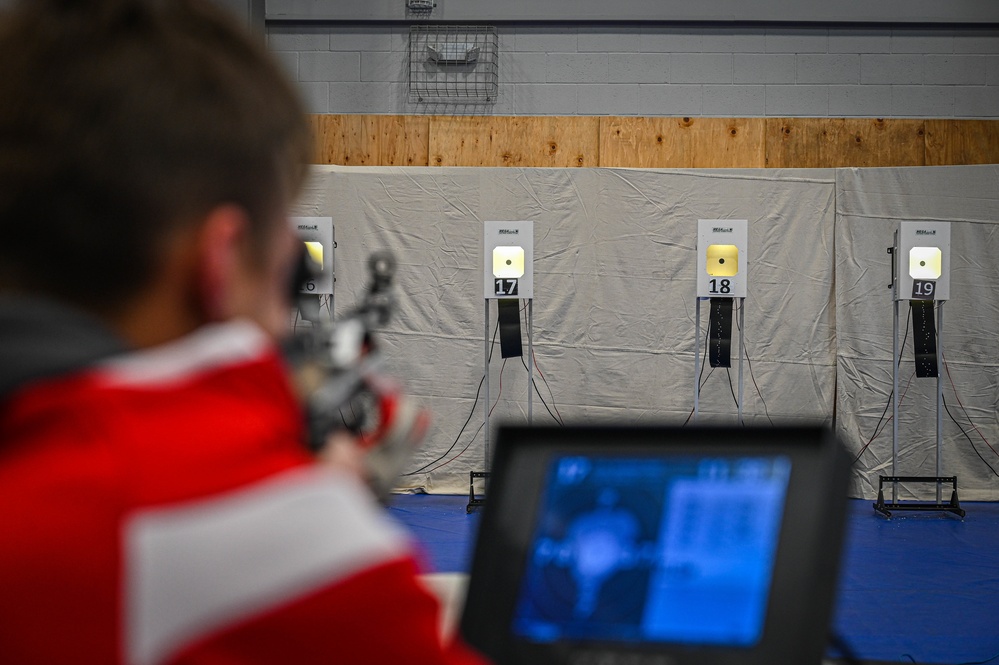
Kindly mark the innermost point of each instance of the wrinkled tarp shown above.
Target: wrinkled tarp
(614, 303)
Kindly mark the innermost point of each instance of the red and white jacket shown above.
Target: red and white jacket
(158, 507)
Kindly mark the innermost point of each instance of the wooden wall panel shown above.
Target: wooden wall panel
(315, 127)
(682, 142)
(573, 141)
(555, 141)
(404, 140)
(962, 142)
(837, 142)
(470, 141)
(348, 140)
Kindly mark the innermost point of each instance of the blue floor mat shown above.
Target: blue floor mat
(445, 533)
(921, 587)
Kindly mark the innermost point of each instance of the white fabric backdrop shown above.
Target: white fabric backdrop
(614, 304)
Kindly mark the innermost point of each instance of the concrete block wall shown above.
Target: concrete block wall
(667, 70)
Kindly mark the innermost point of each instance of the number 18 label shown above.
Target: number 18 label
(723, 286)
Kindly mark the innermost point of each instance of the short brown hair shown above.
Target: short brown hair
(119, 121)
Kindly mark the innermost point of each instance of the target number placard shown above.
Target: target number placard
(722, 258)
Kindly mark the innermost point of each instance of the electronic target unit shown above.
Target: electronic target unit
(722, 258)
(508, 270)
(923, 261)
(317, 234)
(722, 267)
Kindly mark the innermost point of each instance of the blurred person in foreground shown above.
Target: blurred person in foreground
(157, 504)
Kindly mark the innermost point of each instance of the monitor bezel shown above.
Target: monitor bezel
(805, 568)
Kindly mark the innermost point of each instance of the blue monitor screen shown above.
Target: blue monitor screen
(644, 549)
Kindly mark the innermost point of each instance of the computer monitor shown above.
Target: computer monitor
(658, 545)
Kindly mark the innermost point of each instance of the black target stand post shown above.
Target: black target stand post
(508, 278)
(719, 345)
(920, 275)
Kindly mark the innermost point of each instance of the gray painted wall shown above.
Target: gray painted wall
(251, 12)
(655, 69)
(852, 11)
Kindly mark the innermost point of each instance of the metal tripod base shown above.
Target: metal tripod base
(475, 501)
(886, 508)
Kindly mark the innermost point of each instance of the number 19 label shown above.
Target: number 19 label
(923, 289)
(506, 287)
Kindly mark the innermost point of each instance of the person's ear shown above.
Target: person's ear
(221, 242)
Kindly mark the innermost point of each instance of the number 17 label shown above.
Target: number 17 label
(507, 287)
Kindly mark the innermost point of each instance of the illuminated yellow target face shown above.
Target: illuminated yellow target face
(723, 260)
(925, 263)
(315, 253)
(508, 262)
